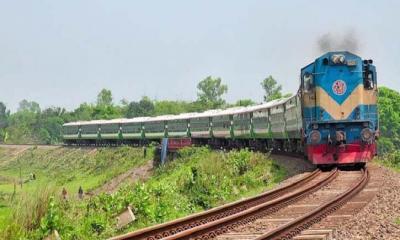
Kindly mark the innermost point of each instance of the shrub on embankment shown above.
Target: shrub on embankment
(391, 160)
(197, 180)
(24, 210)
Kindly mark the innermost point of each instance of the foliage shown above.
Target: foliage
(28, 106)
(104, 98)
(172, 107)
(30, 213)
(4, 115)
(145, 107)
(272, 89)
(210, 91)
(198, 179)
(391, 160)
(244, 103)
(55, 168)
(389, 119)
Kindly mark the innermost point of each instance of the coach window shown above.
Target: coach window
(307, 82)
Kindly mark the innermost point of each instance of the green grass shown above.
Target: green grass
(397, 221)
(197, 180)
(390, 160)
(59, 167)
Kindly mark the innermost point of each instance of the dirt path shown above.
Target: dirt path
(139, 173)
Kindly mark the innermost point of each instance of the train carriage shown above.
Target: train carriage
(110, 130)
(178, 125)
(260, 123)
(90, 130)
(277, 120)
(71, 132)
(133, 129)
(242, 124)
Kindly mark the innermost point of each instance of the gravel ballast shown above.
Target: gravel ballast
(377, 220)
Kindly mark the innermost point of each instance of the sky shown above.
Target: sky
(62, 53)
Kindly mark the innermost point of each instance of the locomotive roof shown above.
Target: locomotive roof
(208, 113)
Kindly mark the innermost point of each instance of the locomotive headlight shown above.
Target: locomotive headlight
(367, 134)
(315, 137)
(341, 58)
(338, 59)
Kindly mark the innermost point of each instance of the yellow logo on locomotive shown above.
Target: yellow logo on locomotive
(339, 87)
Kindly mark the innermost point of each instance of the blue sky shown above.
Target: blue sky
(62, 53)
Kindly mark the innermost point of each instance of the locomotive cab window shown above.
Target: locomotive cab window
(307, 82)
(369, 82)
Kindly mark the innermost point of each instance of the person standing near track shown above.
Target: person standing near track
(144, 151)
(64, 193)
(80, 192)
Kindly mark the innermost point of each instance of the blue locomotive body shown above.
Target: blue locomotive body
(339, 94)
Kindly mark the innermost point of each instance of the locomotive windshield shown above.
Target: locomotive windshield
(307, 82)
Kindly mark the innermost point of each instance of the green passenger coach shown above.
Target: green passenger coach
(266, 125)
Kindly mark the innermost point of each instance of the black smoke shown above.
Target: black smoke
(339, 42)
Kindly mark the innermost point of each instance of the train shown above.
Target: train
(331, 120)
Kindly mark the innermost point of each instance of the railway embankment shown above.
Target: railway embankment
(198, 179)
(30, 175)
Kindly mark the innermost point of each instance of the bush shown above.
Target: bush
(198, 179)
(28, 214)
(391, 160)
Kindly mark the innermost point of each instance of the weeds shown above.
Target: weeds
(391, 160)
(198, 179)
(27, 213)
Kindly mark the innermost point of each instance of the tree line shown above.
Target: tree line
(31, 124)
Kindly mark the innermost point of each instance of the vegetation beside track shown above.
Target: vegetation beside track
(389, 120)
(25, 209)
(197, 180)
(390, 160)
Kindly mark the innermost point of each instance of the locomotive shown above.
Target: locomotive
(331, 120)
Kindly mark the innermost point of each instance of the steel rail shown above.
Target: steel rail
(185, 223)
(295, 227)
(212, 229)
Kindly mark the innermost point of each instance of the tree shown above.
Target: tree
(83, 112)
(30, 106)
(211, 91)
(104, 98)
(244, 102)
(171, 107)
(4, 115)
(272, 89)
(389, 119)
(145, 107)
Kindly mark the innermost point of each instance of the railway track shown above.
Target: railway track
(278, 214)
(311, 182)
